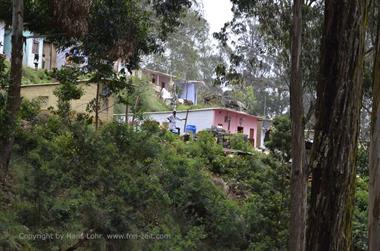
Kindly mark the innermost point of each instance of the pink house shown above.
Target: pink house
(237, 122)
(231, 121)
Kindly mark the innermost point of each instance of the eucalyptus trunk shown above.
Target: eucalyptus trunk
(374, 157)
(339, 96)
(298, 182)
(13, 94)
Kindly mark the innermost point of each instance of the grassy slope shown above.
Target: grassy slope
(31, 76)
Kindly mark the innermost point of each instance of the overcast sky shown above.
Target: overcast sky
(217, 12)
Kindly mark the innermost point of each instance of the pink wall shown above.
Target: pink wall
(237, 119)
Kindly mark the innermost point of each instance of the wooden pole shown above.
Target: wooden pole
(97, 106)
(187, 114)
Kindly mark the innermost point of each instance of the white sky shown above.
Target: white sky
(217, 12)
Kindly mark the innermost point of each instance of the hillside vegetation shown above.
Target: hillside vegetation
(69, 179)
(32, 76)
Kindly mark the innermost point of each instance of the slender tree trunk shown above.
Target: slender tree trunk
(126, 107)
(339, 96)
(97, 106)
(374, 157)
(13, 94)
(298, 182)
(126, 113)
(135, 109)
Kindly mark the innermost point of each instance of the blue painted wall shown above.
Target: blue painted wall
(189, 92)
(28, 57)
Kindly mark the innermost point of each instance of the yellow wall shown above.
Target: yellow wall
(45, 92)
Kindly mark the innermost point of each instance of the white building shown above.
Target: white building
(2, 33)
(230, 120)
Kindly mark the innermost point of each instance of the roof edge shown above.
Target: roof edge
(205, 109)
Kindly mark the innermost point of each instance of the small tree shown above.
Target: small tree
(67, 91)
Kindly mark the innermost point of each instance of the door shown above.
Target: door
(49, 56)
(252, 136)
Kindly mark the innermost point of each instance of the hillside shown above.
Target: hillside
(32, 76)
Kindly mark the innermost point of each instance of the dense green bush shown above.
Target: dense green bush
(68, 178)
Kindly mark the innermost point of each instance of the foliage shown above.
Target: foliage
(188, 53)
(246, 95)
(362, 160)
(30, 109)
(360, 217)
(140, 97)
(184, 107)
(29, 75)
(72, 179)
(259, 40)
(103, 30)
(32, 76)
(280, 138)
(68, 89)
(239, 142)
(4, 75)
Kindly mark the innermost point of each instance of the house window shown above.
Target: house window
(163, 84)
(240, 129)
(226, 118)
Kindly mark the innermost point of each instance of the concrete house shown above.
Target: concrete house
(33, 48)
(38, 52)
(162, 83)
(45, 94)
(230, 120)
(159, 80)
